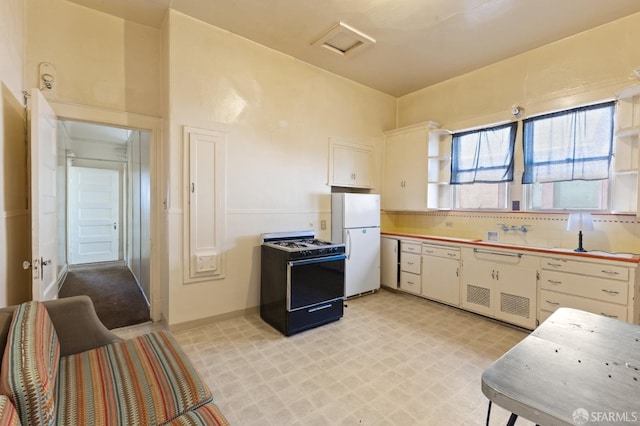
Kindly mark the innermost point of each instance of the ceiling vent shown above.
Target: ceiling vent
(344, 40)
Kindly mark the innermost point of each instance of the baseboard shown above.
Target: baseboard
(213, 319)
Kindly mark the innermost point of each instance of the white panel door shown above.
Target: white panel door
(94, 212)
(44, 223)
(362, 268)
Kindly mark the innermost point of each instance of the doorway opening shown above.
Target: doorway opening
(104, 198)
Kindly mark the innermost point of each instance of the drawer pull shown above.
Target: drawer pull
(553, 303)
(451, 254)
(604, 271)
(611, 292)
(411, 282)
(554, 265)
(608, 315)
(409, 263)
(554, 282)
(428, 251)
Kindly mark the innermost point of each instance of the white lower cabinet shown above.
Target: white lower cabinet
(389, 262)
(501, 285)
(515, 286)
(410, 267)
(441, 273)
(603, 288)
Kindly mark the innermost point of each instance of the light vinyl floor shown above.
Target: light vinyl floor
(393, 359)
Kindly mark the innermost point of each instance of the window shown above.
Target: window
(567, 156)
(481, 166)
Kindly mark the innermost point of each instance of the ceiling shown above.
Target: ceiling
(417, 42)
(89, 132)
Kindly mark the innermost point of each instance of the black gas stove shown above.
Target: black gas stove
(302, 244)
(301, 282)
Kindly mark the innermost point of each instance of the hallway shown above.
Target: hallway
(112, 288)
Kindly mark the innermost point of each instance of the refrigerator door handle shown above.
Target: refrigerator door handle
(348, 248)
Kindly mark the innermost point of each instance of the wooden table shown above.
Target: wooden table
(576, 368)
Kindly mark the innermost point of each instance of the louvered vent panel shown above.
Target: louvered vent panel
(514, 305)
(478, 295)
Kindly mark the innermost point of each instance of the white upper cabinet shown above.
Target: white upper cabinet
(404, 184)
(350, 164)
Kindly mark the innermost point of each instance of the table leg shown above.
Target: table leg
(489, 413)
(512, 419)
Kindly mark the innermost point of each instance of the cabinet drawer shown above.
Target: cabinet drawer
(550, 301)
(410, 262)
(410, 247)
(586, 268)
(440, 251)
(410, 282)
(579, 285)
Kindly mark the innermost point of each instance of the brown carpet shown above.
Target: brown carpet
(114, 292)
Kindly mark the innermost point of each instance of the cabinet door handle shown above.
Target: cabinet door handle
(552, 303)
(554, 265)
(554, 282)
(610, 292)
(457, 272)
(493, 274)
(497, 275)
(604, 271)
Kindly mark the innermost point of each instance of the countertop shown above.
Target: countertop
(620, 257)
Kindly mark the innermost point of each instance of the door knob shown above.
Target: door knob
(26, 264)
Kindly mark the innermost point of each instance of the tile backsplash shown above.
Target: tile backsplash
(612, 233)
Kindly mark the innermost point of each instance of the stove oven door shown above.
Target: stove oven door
(314, 281)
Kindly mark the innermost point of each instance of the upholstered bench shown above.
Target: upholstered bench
(52, 375)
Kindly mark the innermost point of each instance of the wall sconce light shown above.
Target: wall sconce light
(47, 73)
(580, 222)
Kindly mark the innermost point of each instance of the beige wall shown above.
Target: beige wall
(100, 60)
(279, 114)
(584, 68)
(15, 283)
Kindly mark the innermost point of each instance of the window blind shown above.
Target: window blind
(569, 145)
(484, 155)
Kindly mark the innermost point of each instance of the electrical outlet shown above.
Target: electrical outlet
(448, 224)
(323, 225)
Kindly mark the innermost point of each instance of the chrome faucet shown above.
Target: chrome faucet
(506, 228)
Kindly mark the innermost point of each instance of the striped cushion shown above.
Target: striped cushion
(143, 381)
(30, 365)
(8, 413)
(205, 415)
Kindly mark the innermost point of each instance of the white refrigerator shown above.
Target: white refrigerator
(355, 221)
